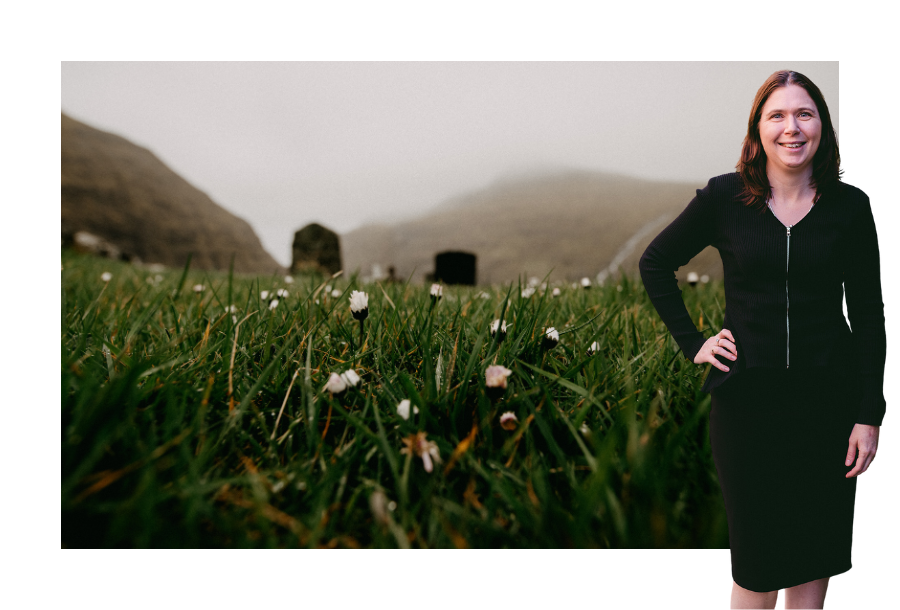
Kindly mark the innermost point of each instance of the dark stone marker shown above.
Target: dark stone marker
(316, 246)
(455, 268)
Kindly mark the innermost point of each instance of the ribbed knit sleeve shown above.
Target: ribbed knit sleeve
(674, 247)
(862, 285)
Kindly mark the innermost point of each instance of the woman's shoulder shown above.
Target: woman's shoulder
(725, 187)
(849, 202)
(850, 193)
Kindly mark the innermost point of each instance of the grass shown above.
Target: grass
(184, 425)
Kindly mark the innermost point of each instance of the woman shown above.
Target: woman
(797, 397)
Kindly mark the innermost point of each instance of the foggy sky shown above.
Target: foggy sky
(346, 144)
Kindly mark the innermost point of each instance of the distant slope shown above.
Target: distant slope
(576, 223)
(124, 194)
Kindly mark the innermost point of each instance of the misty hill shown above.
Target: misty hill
(576, 223)
(125, 195)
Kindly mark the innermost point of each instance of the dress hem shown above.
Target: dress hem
(793, 582)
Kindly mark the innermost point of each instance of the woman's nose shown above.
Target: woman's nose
(791, 125)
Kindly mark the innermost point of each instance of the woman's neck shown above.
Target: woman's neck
(791, 189)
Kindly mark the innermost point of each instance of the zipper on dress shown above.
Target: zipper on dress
(787, 296)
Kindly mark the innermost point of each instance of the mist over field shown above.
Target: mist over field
(394, 146)
(571, 225)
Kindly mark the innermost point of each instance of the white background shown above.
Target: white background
(38, 36)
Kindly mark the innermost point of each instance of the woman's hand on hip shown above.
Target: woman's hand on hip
(720, 344)
(864, 438)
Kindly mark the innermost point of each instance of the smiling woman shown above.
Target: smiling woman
(790, 129)
(796, 396)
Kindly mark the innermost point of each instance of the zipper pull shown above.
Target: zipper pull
(789, 231)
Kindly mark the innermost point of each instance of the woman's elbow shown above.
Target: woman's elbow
(647, 262)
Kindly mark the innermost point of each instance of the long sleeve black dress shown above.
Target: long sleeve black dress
(782, 416)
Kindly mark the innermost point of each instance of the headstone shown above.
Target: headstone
(455, 268)
(316, 246)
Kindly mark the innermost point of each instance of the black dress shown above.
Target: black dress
(779, 440)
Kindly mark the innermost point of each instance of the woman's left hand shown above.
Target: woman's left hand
(865, 438)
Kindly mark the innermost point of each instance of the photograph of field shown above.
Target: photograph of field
(198, 412)
(230, 379)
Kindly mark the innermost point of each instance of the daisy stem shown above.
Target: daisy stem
(361, 340)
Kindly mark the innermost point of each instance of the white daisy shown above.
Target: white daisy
(550, 338)
(495, 376)
(418, 444)
(335, 384)
(508, 421)
(403, 409)
(359, 304)
(350, 377)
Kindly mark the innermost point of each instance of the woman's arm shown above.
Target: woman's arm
(865, 309)
(677, 244)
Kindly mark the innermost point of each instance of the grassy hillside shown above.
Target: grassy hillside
(123, 193)
(574, 223)
(188, 425)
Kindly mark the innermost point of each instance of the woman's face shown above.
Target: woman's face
(790, 129)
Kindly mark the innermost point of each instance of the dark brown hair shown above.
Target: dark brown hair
(752, 165)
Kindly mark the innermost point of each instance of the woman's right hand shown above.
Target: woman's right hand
(721, 344)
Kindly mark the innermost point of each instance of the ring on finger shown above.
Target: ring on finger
(717, 341)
